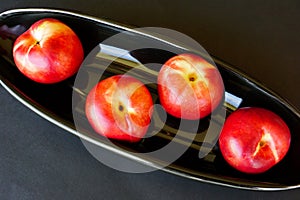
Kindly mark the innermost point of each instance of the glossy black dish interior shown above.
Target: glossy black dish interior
(55, 101)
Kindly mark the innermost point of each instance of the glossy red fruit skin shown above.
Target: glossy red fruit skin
(48, 52)
(253, 140)
(120, 107)
(189, 87)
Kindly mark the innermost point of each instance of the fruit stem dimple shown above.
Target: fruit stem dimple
(37, 43)
(192, 79)
(261, 143)
(121, 108)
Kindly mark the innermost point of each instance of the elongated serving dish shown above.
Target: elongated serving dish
(56, 102)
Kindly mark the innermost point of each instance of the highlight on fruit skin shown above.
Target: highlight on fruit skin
(189, 87)
(120, 107)
(253, 140)
(48, 52)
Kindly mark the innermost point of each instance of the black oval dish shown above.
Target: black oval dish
(56, 103)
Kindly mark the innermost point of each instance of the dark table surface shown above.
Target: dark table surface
(41, 161)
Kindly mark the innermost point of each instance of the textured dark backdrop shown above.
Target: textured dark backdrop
(41, 161)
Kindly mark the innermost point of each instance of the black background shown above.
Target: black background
(38, 160)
